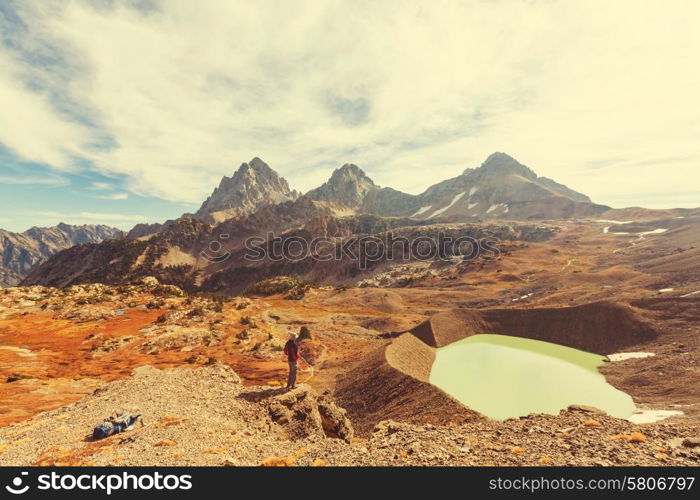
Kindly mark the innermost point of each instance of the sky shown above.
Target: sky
(119, 112)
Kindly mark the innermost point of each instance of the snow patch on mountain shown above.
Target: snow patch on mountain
(422, 210)
(444, 209)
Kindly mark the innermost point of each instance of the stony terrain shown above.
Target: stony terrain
(206, 417)
(196, 417)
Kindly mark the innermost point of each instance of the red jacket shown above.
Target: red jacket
(291, 350)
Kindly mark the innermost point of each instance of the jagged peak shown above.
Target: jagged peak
(350, 173)
(259, 165)
(502, 162)
(500, 157)
(348, 186)
(255, 166)
(251, 170)
(350, 170)
(252, 186)
(64, 226)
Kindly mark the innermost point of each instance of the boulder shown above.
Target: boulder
(334, 420)
(301, 413)
(150, 282)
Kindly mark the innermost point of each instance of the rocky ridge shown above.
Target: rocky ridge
(22, 252)
(500, 188)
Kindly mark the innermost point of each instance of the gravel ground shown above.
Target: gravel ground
(205, 416)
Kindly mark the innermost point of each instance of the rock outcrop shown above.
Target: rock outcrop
(302, 414)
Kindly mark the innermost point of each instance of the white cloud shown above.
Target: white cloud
(99, 186)
(114, 196)
(94, 216)
(111, 217)
(29, 124)
(49, 180)
(598, 95)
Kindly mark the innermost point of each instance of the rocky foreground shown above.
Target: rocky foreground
(205, 373)
(205, 416)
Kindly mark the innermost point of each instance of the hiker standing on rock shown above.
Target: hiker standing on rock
(291, 349)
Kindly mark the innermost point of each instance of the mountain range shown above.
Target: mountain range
(256, 201)
(21, 252)
(501, 188)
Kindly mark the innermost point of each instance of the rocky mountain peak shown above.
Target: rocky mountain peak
(501, 163)
(256, 171)
(256, 162)
(350, 170)
(251, 187)
(348, 186)
(257, 167)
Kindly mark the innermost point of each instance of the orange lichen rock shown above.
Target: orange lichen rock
(637, 437)
(279, 462)
(166, 442)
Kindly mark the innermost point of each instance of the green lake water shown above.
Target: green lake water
(503, 377)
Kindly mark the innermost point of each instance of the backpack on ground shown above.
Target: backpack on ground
(114, 425)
